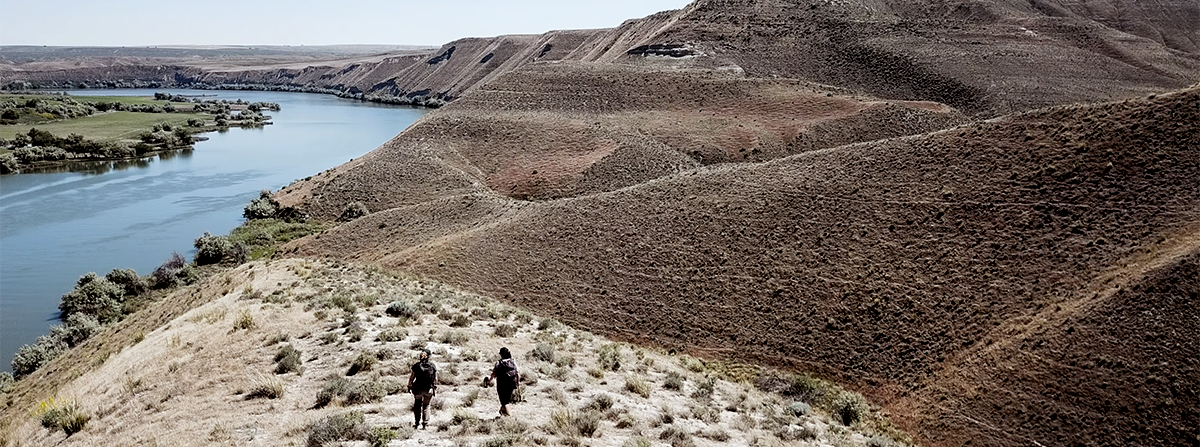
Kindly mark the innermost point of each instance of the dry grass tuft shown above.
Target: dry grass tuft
(340, 427)
(244, 321)
(288, 360)
(364, 362)
(266, 388)
(63, 414)
(637, 386)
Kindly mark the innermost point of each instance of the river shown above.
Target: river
(55, 227)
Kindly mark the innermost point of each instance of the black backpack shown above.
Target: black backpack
(424, 376)
(506, 373)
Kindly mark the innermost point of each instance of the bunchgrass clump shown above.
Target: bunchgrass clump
(791, 434)
(587, 423)
(367, 392)
(602, 402)
(364, 362)
(637, 386)
(609, 356)
(245, 320)
(705, 388)
(339, 427)
(677, 437)
(63, 414)
(674, 381)
(381, 436)
(542, 352)
(461, 320)
(637, 441)
(692, 364)
(463, 417)
(625, 420)
(266, 388)
(335, 387)
(287, 360)
(564, 361)
(456, 338)
(470, 398)
(392, 334)
(715, 434)
(505, 330)
(403, 310)
(848, 407)
(570, 424)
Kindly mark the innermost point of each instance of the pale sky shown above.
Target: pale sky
(300, 22)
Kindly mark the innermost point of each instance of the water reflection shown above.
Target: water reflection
(92, 167)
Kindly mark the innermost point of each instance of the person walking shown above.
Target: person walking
(423, 384)
(506, 378)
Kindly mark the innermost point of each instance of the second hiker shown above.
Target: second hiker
(423, 384)
(507, 379)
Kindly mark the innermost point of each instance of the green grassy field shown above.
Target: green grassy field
(106, 126)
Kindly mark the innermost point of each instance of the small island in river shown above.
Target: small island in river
(41, 130)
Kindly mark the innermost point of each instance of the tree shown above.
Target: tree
(129, 280)
(8, 164)
(211, 249)
(93, 296)
(76, 329)
(264, 207)
(31, 357)
(41, 138)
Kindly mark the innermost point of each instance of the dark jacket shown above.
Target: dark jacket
(423, 372)
(506, 373)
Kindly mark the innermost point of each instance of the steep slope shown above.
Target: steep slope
(189, 367)
(885, 264)
(983, 57)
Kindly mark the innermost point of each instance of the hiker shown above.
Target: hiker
(423, 384)
(506, 378)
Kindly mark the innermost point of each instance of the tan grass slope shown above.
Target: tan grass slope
(212, 375)
(887, 264)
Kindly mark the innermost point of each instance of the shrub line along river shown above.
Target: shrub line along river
(55, 227)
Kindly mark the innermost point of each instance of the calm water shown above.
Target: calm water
(54, 227)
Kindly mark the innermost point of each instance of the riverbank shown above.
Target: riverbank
(96, 216)
(421, 98)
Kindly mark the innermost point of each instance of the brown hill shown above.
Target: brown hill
(982, 57)
(783, 182)
(936, 272)
(691, 189)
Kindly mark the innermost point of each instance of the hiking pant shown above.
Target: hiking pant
(421, 406)
(505, 391)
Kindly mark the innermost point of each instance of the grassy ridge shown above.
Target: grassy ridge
(113, 126)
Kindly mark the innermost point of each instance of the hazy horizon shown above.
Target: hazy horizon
(142, 23)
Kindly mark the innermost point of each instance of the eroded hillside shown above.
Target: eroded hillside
(887, 264)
